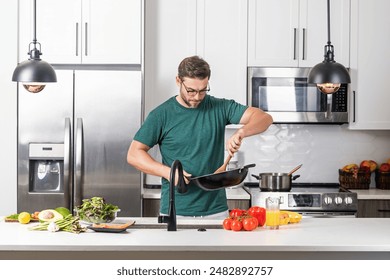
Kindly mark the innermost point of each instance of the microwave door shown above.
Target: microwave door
(278, 95)
(287, 96)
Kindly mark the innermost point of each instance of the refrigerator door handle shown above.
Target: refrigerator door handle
(78, 162)
(67, 167)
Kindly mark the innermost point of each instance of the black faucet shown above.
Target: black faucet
(181, 188)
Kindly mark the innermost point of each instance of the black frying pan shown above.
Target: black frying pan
(222, 180)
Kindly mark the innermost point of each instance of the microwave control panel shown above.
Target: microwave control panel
(339, 99)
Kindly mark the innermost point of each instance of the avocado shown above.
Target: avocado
(49, 215)
(63, 211)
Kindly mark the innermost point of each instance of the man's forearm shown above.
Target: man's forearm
(142, 161)
(257, 122)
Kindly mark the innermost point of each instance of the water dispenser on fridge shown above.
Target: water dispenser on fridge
(46, 162)
(47, 183)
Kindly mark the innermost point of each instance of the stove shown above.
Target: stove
(310, 199)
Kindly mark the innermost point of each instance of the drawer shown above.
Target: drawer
(374, 208)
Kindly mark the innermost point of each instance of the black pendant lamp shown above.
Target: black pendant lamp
(34, 73)
(328, 75)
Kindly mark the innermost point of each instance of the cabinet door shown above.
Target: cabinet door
(293, 33)
(370, 60)
(221, 40)
(84, 31)
(373, 209)
(273, 33)
(57, 29)
(238, 203)
(111, 31)
(151, 207)
(218, 37)
(170, 36)
(313, 31)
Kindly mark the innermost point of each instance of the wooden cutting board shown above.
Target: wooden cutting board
(113, 226)
(11, 220)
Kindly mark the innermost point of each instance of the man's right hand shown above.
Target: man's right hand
(185, 175)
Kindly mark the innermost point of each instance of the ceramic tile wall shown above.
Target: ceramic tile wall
(322, 149)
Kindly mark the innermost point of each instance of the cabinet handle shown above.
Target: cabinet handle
(304, 43)
(354, 106)
(77, 39)
(295, 43)
(86, 38)
(383, 210)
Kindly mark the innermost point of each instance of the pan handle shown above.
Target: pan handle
(295, 177)
(248, 166)
(257, 177)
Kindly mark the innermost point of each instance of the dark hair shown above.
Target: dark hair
(194, 67)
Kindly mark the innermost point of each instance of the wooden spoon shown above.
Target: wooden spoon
(224, 165)
(295, 169)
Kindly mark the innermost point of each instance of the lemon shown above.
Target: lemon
(24, 218)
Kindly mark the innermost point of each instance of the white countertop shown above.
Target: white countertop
(231, 193)
(372, 193)
(311, 235)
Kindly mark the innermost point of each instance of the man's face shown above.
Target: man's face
(192, 91)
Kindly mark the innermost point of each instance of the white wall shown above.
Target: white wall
(8, 98)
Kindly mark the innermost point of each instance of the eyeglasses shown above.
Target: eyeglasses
(192, 92)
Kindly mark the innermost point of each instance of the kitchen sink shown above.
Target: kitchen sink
(152, 223)
(179, 226)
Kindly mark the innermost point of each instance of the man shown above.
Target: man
(190, 127)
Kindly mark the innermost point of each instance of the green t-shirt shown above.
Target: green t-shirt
(195, 137)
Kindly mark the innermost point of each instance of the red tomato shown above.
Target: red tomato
(249, 223)
(234, 213)
(236, 225)
(227, 223)
(259, 213)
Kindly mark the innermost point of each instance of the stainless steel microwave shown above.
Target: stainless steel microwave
(285, 94)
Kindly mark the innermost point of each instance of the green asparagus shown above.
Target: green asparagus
(68, 224)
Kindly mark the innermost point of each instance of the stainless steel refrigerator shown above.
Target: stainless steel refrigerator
(73, 139)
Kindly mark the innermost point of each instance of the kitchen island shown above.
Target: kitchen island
(312, 238)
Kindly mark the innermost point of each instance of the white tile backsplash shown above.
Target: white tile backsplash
(322, 149)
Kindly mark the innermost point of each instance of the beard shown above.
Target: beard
(191, 103)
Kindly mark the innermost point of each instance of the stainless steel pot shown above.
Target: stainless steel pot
(275, 182)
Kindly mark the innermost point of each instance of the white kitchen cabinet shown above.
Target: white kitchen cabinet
(84, 31)
(293, 33)
(176, 29)
(170, 35)
(370, 60)
(221, 40)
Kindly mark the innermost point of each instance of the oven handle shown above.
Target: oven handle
(328, 214)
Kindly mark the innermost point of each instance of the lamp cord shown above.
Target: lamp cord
(34, 52)
(329, 43)
(328, 54)
(35, 21)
